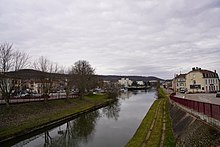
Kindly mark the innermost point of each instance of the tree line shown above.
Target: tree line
(80, 75)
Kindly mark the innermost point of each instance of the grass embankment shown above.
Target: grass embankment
(155, 130)
(24, 117)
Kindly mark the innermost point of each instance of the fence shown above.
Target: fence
(34, 99)
(208, 109)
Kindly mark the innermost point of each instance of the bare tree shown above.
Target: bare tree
(20, 60)
(111, 89)
(45, 65)
(42, 64)
(54, 67)
(9, 60)
(6, 64)
(62, 70)
(6, 57)
(68, 86)
(82, 74)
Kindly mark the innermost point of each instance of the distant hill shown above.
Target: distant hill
(31, 73)
(115, 78)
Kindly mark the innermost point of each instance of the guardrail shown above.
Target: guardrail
(208, 109)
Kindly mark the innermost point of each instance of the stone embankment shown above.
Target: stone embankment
(191, 131)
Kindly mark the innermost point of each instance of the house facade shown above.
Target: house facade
(126, 82)
(179, 83)
(140, 83)
(200, 80)
(168, 84)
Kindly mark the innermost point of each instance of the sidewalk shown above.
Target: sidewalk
(201, 97)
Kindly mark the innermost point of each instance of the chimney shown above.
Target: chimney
(193, 68)
(215, 71)
(175, 75)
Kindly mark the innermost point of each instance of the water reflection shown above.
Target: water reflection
(112, 111)
(77, 131)
(96, 128)
(126, 95)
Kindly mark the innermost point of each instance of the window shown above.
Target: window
(195, 86)
(194, 81)
(206, 81)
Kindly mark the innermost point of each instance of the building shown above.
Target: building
(167, 83)
(125, 82)
(179, 83)
(200, 80)
(140, 83)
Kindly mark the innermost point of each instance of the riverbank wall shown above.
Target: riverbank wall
(191, 131)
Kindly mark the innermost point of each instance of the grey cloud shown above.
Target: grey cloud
(144, 37)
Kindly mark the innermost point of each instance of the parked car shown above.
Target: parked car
(218, 94)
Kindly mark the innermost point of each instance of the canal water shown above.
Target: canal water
(110, 126)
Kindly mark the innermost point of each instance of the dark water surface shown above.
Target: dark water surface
(111, 126)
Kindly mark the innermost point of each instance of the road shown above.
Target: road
(202, 97)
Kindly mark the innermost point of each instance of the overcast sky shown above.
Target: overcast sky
(123, 37)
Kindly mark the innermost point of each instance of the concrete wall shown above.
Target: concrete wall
(190, 131)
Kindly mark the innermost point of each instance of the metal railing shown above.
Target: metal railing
(17, 100)
(208, 109)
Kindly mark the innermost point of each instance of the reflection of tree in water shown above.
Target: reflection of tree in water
(135, 92)
(83, 127)
(112, 110)
(80, 130)
(125, 95)
(48, 139)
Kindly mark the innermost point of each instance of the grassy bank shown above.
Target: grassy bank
(24, 117)
(155, 112)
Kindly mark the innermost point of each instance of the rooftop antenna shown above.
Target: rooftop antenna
(180, 70)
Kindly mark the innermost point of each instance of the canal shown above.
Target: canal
(110, 126)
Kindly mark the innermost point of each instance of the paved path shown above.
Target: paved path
(202, 97)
